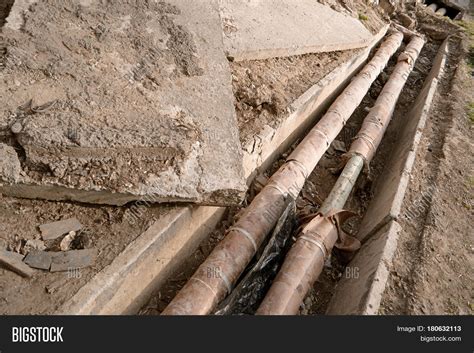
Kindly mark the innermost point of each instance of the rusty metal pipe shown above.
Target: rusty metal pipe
(305, 260)
(215, 278)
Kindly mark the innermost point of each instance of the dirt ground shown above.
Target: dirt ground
(264, 89)
(107, 229)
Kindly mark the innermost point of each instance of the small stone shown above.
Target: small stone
(67, 240)
(16, 128)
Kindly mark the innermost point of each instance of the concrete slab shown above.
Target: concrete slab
(361, 294)
(73, 259)
(56, 229)
(392, 184)
(109, 103)
(261, 29)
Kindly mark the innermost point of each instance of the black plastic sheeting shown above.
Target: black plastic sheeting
(250, 291)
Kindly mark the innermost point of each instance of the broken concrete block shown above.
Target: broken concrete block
(39, 259)
(73, 259)
(140, 106)
(13, 261)
(256, 29)
(54, 230)
(61, 261)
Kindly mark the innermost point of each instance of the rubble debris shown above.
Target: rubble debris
(13, 261)
(34, 244)
(339, 146)
(62, 260)
(54, 230)
(73, 259)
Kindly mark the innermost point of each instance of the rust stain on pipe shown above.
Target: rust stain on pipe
(304, 263)
(305, 260)
(215, 278)
(375, 124)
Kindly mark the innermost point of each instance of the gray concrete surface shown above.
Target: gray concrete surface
(140, 108)
(260, 29)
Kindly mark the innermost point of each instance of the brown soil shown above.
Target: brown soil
(264, 89)
(107, 229)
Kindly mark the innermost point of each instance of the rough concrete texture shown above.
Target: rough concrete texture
(390, 190)
(261, 29)
(362, 294)
(110, 102)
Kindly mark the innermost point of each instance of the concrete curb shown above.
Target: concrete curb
(125, 285)
(379, 229)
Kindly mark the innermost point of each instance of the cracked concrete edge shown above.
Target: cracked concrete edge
(15, 19)
(126, 284)
(118, 289)
(252, 29)
(360, 293)
(379, 229)
(305, 111)
(392, 184)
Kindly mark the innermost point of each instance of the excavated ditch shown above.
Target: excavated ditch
(318, 187)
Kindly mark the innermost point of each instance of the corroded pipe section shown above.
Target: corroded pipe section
(304, 262)
(215, 278)
(375, 124)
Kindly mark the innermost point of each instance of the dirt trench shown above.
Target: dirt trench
(319, 185)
